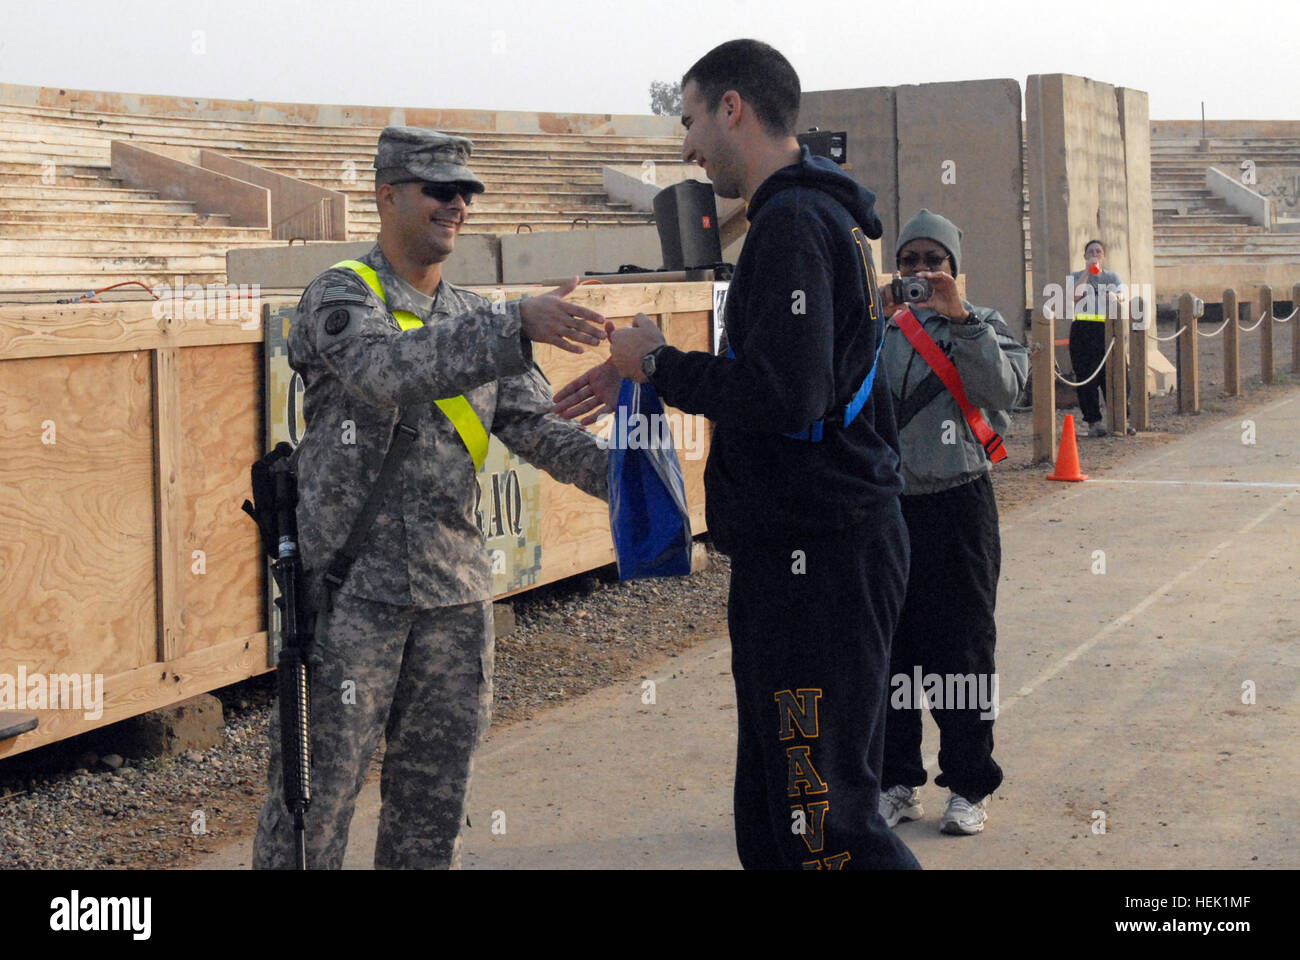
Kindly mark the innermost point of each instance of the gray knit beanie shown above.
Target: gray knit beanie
(931, 226)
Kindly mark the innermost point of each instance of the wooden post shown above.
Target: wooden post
(1295, 328)
(1266, 333)
(1189, 381)
(1231, 345)
(167, 498)
(1116, 372)
(1042, 351)
(1140, 398)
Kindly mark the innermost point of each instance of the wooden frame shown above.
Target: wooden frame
(129, 557)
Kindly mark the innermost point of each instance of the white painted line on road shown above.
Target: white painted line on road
(1048, 672)
(1146, 602)
(1207, 483)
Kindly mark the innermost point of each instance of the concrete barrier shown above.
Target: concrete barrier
(247, 204)
(293, 267)
(1240, 197)
(298, 209)
(533, 257)
(638, 183)
(953, 148)
(1079, 188)
(959, 155)
(1135, 129)
(867, 115)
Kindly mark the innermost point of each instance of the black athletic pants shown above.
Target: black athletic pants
(1087, 347)
(947, 629)
(811, 620)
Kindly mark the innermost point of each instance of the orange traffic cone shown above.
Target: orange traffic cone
(1067, 457)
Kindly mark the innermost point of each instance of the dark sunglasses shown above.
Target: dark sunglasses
(933, 261)
(443, 192)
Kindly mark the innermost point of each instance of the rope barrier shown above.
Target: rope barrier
(1070, 383)
(1216, 332)
(1253, 325)
(1172, 336)
(1288, 319)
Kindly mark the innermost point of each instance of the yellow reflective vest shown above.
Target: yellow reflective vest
(457, 409)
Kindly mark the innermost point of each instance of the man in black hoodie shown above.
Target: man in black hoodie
(802, 481)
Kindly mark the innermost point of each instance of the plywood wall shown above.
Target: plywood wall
(126, 439)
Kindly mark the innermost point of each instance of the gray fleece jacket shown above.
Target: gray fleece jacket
(939, 450)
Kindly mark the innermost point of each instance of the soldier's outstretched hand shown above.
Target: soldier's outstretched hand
(552, 319)
(591, 395)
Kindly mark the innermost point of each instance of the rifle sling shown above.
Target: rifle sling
(404, 434)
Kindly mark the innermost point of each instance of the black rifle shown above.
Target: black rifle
(275, 493)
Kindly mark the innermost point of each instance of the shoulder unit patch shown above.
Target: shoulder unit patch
(337, 321)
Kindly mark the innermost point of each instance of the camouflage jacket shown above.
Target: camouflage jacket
(425, 548)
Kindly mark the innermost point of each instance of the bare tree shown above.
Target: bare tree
(666, 98)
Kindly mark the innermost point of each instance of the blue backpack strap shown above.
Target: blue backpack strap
(864, 392)
(813, 434)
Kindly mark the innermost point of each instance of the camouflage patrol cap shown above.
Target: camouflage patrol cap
(427, 154)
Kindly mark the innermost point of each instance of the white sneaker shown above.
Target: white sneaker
(900, 803)
(963, 817)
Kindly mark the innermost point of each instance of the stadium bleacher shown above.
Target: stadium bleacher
(66, 225)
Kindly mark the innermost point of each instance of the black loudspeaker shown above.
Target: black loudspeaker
(687, 218)
(826, 143)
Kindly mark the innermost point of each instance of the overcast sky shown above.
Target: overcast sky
(1239, 57)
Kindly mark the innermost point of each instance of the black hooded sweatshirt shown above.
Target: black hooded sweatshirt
(803, 317)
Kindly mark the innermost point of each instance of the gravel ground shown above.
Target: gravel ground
(64, 806)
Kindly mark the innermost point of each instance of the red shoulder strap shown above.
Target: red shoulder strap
(933, 355)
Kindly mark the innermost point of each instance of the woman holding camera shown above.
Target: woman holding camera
(934, 346)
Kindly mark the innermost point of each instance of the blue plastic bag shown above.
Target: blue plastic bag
(648, 517)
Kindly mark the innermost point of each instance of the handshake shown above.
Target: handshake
(594, 393)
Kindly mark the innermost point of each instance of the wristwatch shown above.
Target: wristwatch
(648, 361)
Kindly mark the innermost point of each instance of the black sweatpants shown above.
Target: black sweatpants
(947, 629)
(811, 620)
(1087, 347)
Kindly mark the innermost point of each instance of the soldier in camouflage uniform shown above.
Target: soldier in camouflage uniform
(406, 648)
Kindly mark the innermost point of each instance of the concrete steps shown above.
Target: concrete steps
(1202, 219)
(109, 220)
(86, 230)
(120, 247)
(100, 206)
(41, 193)
(183, 231)
(1194, 227)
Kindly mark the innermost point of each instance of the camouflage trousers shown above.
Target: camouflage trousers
(423, 679)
